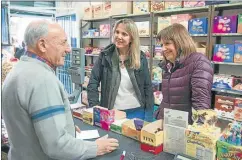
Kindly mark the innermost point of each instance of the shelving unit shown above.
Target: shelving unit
(227, 91)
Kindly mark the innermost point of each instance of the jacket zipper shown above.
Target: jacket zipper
(169, 90)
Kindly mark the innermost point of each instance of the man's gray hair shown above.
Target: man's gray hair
(35, 31)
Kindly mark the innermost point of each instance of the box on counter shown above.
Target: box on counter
(131, 130)
(143, 28)
(198, 26)
(173, 5)
(238, 53)
(121, 8)
(239, 27)
(223, 53)
(88, 12)
(98, 11)
(223, 81)
(189, 4)
(224, 106)
(103, 117)
(238, 109)
(237, 83)
(87, 116)
(181, 19)
(141, 7)
(157, 6)
(152, 149)
(116, 126)
(107, 9)
(163, 22)
(226, 151)
(104, 30)
(225, 24)
(77, 112)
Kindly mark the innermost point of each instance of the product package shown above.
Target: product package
(198, 26)
(223, 53)
(225, 24)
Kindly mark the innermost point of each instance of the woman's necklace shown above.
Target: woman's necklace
(122, 58)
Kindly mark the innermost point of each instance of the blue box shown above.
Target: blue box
(198, 26)
(223, 53)
(238, 53)
(97, 116)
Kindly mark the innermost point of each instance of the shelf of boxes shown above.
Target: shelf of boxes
(227, 91)
(227, 34)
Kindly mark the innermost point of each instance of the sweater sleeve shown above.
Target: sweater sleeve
(201, 81)
(49, 116)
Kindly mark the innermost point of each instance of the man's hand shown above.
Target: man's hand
(106, 145)
(77, 129)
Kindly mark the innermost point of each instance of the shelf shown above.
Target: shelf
(96, 19)
(199, 35)
(233, 64)
(227, 91)
(99, 37)
(228, 6)
(92, 55)
(131, 15)
(227, 34)
(182, 10)
(226, 119)
(144, 36)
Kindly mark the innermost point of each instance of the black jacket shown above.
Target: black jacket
(104, 72)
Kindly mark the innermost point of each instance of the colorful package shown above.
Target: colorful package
(224, 106)
(141, 7)
(238, 53)
(226, 151)
(223, 81)
(223, 53)
(198, 26)
(239, 27)
(157, 6)
(104, 30)
(225, 24)
(238, 109)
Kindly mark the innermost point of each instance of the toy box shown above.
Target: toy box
(157, 6)
(223, 53)
(225, 24)
(181, 19)
(103, 117)
(198, 26)
(173, 5)
(226, 151)
(224, 106)
(104, 30)
(239, 27)
(237, 84)
(88, 12)
(129, 129)
(238, 53)
(223, 81)
(116, 126)
(87, 116)
(163, 22)
(143, 28)
(189, 4)
(107, 9)
(98, 11)
(238, 109)
(141, 7)
(121, 8)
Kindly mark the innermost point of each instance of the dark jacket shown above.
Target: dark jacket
(188, 85)
(106, 70)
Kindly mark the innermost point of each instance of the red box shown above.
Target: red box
(151, 149)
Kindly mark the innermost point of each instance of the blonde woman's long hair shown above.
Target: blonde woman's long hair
(132, 30)
(179, 35)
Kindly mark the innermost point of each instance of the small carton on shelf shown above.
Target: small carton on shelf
(189, 4)
(198, 26)
(225, 24)
(238, 109)
(88, 12)
(103, 117)
(141, 7)
(163, 22)
(107, 9)
(98, 11)
(238, 53)
(223, 81)
(87, 116)
(143, 28)
(173, 5)
(239, 27)
(152, 137)
(121, 8)
(223, 53)
(104, 30)
(224, 106)
(181, 19)
(116, 126)
(237, 83)
(132, 128)
(226, 151)
(157, 6)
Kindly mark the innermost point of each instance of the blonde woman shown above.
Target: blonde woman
(188, 75)
(123, 72)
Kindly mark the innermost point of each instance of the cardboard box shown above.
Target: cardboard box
(223, 81)
(103, 117)
(104, 30)
(198, 26)
(239, 27)
(87, 116)
(226, 151)
(238, 53)
(143, 28)
(116, 126)
(98, 11)
(181, 19)
(238, 109)
(121, 8)
(77, 112)
(88, 12)
(223, 53)
(107, 9)
(157, 6)
(152, 149)
(163, 22)
(189, 4)
(225, 24)
(129, 130)
(141, 7)
(173, 5)
(224, 106)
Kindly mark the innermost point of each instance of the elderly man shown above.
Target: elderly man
(35, 106)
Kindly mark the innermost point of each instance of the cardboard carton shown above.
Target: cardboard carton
(141, 7)
(121, 8)
(98, 11)
(88, 12)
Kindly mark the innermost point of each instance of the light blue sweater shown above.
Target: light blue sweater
(37, 114)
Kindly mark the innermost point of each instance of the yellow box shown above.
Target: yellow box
(88, 12)
(98, 11)
(121, 8)
(141, 7)
(87, 116)
(152, 134)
